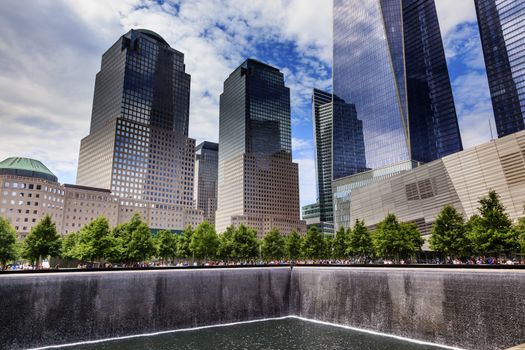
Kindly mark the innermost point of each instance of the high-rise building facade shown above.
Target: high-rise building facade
(389, 63)
(258, 182)
(206, 177)
(502, 30)
(138, 145)
(339, 145)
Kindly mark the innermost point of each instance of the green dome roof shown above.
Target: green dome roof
(26, 167)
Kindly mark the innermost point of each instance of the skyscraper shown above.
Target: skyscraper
(389, 62)
(138, 144)
(258, 182)
(339, 145)
(502, 29)
(206, 173)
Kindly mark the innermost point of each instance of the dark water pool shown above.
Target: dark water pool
(283, 334)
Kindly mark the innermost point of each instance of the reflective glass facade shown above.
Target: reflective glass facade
(206, 174)
(138, 146)
(389, 63)
(502, 28)
(339, 145)
(258, 182)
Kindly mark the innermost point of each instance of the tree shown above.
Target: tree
(449, 234)
(313, 245)
(204, 241)
(396, 240)
(273, 245)
(292, 246)
(42, 241)
(141, 246)
(340, 243)
(519, 232)
(329, 241)
(166, 244)
(183, 243)
(69, 246)
(95, 241)
(8, 250)
(225, 250)
(359, 242)
(491, 230)
(245, 245)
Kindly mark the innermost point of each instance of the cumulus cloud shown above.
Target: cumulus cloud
(51, 52)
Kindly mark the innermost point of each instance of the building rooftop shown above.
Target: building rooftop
(26, 167)
(152, 35)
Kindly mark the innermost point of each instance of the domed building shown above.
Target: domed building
(29, 191)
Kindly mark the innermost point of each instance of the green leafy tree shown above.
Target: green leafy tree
(225, 250)
(519, 232)
(491, 232)
(42, 241)
(449, 233)
(183, 243)
(329, 242)
(359, 242)
(396, 240)
(69, 246)
(313, 245)
(273, 245)
(166, 244)
(204, 241)
(245, 244)
(95, 241)
(8, 249)
(340, 244)
(292, 246)
(141, 246)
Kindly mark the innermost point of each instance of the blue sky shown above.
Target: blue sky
(50, 52)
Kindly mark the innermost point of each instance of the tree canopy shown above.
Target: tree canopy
(359, 241)
(491, 232)
(396, 240)
(8, 249)
(204, 241)
(292, 245)
(449, 233)
(313, 245)
(273, 245)
(42, 241)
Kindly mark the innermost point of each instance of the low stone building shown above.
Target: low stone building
(29, 191)
(460, 179)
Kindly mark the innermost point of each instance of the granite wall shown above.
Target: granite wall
(58, 308)
(473, 309)
(467, 308)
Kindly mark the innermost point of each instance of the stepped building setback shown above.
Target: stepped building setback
(258, 182)
(138, 145)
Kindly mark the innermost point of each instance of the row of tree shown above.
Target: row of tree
(491, 232)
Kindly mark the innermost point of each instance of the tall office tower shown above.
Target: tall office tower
(138, 144)
(502, 29)
(390, 63)
(258, 182)
(206, 173)
(339, 146)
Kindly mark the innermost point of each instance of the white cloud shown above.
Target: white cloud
(474, 107)
(452, 13)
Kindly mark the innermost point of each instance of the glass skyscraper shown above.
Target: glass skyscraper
(138, 145)
(339, 145)
(502, 29)
(258, 182)
(389, 63)
(206, 173)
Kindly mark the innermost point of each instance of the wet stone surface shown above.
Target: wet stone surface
(286, 334)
